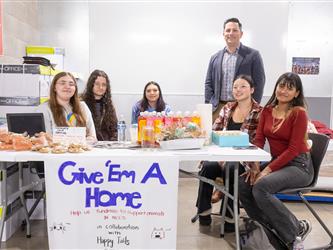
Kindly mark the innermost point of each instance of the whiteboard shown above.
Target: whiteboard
(172, 42)
(303, 43)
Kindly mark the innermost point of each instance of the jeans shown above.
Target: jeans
(261, 204)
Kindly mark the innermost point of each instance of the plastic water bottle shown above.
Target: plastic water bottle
(298, 244)
(121, 129)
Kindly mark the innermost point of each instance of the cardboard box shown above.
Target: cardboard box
(230, 138)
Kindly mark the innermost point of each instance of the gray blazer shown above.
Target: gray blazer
(249, 62)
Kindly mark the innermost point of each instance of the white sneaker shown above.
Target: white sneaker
(298, 244)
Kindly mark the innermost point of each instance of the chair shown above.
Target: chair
(318, 150)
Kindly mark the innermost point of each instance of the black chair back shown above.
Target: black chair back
(318, 150)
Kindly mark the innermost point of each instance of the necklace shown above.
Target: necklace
(277, 122)
(243, 114)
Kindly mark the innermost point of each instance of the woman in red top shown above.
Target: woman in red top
(283, 122)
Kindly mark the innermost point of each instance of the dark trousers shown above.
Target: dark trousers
(39, 168)
(212, 170)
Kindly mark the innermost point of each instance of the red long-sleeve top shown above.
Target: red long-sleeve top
(288, 141)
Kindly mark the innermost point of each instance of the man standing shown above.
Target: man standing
(224, 66)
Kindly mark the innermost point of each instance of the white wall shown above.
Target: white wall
(66, 25)
(171, 43)
(20, 28)
(311, 35)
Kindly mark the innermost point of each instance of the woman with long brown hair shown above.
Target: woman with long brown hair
(64, 108)
(283, 123)
(152, 100)
(97, 96)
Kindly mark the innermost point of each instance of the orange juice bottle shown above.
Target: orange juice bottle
(158, 122)
(196, 118)
(142, 122)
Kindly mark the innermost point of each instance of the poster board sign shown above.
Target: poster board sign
(111, 203)
(305, 65)
(68, 135)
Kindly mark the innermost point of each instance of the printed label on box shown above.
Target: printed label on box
(67, 135)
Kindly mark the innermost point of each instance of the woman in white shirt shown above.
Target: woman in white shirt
(64, 108)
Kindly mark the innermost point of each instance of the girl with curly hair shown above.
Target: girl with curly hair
(97, 96)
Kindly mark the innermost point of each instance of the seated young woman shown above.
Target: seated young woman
(283, 123)
(97, 96)
(152, 100)
(64, 109)
(242, 114)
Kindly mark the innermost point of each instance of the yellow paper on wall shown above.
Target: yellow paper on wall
(43, 99)
(39, 50)
(46, 70)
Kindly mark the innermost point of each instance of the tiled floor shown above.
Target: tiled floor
(191, 235)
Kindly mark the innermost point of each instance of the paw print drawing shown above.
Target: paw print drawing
(158, 233)
(59, 227)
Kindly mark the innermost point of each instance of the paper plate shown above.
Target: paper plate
(187, 143)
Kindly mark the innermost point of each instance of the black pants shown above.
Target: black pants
(39, 168)
(212, 170)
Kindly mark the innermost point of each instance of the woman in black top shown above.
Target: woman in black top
(97, 96)
(241, 114)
